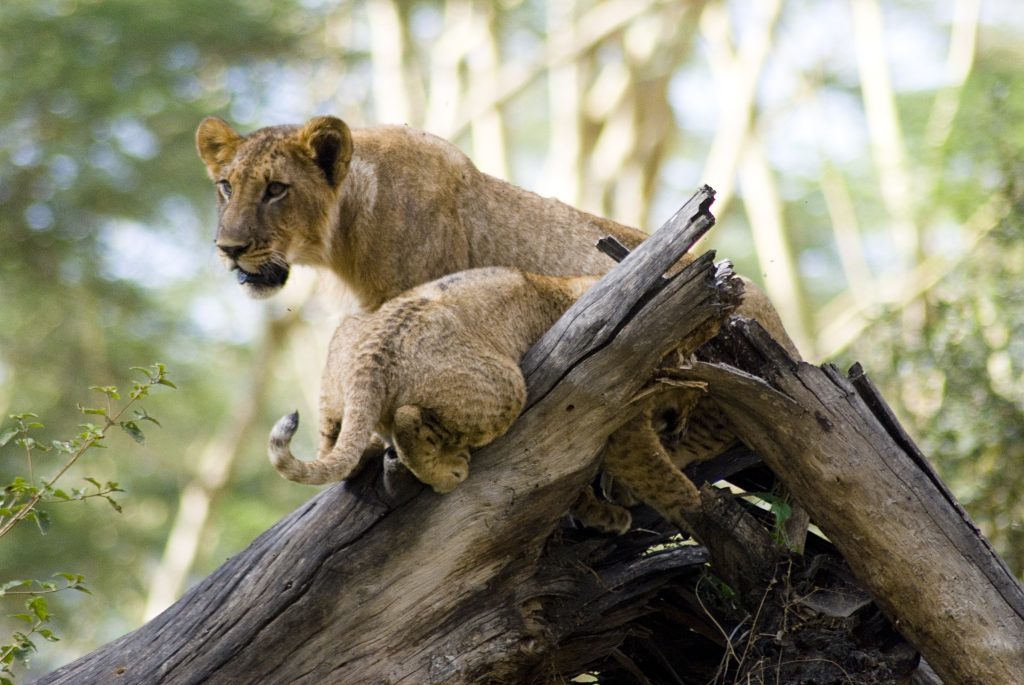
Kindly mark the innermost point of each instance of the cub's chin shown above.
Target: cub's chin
(270, 278)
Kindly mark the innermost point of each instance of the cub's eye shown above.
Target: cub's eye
(225, 189)
(274, 191)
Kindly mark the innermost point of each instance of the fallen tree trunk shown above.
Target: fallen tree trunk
(381, 581)
(837, 446)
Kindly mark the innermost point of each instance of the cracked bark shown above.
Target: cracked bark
(834, 442)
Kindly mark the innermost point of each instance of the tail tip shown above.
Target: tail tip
(285, 428)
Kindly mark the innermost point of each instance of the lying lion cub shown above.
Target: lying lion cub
(436, 370)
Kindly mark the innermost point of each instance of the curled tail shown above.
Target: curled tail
(340, 462)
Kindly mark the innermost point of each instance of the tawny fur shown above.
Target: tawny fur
(436, 370)
(389, 208)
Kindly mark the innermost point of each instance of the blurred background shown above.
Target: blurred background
(868, 157)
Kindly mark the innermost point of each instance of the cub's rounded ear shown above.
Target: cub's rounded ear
(216, 143)
(328, 142)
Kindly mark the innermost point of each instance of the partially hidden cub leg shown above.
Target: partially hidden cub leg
(601, 515)
(636, 458)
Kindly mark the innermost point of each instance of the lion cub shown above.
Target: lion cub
(436, 370)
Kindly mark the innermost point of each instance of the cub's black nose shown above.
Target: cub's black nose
(233, 250)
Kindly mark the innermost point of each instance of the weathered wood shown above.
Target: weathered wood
(639, 274)
(381, 581)
(839, 449)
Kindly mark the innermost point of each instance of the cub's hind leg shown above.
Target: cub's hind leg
(599, 514)
(636, 458)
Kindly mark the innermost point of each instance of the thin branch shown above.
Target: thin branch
(213, 473)
(737, 74)
(488, 129)
(775, 257)
(563, 167)
(593, 27)
(446, 56)
(846, 230)
(886, 137)
(959, 62)
(387, 49)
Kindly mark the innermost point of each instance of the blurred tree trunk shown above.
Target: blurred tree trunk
(213, 471)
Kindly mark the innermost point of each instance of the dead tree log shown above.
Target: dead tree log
(837, 446)
(381, 581)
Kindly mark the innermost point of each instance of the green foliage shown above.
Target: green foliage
(106, 259)
(781, 509)
(957, 380)
(23, 500)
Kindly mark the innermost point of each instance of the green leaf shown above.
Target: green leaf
(108, 390)
(99, 411)
(132, 429)
(146, 372)
(164, 381)
(42, 520)
(48, 635)
(94, 482)
(783, 511)
(143, 415)
(19, 484)
(6, 436)
(24, 617)
(11, 584)
(114, 504)
(38, 606)
(63, 446)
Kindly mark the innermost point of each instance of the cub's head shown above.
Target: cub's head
(277, 191)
